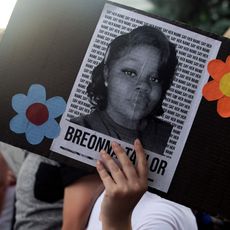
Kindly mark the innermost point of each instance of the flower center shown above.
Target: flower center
(37, 113)
(225, 84)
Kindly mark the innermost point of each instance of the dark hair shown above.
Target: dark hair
(144, 35)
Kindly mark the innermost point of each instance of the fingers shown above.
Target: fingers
(141, 166)
(108, 164)
(129, 171)
(127, 166)
(104, 175)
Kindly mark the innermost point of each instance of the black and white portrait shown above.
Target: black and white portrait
(127, 89)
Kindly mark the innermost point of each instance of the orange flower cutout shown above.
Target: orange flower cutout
(219, 87)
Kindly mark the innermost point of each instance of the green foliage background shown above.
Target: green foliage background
(209, 15)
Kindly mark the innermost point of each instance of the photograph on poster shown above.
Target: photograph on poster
(141, 77)
(128, 87)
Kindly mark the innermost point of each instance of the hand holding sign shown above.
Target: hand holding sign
(124, 186)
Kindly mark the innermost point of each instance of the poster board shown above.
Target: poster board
(53, 55)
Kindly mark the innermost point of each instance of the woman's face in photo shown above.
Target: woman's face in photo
(134, 87)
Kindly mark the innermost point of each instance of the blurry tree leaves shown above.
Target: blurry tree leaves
(209, 15)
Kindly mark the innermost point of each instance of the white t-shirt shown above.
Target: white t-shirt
(152, 213)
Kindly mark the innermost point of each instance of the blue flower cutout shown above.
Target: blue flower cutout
(36, 115)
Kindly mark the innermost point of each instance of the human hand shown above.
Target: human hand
(124, 186)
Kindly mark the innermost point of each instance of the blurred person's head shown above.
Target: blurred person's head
(7, 178)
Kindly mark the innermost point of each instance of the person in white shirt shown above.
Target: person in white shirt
(151, 213)
(126, 204)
